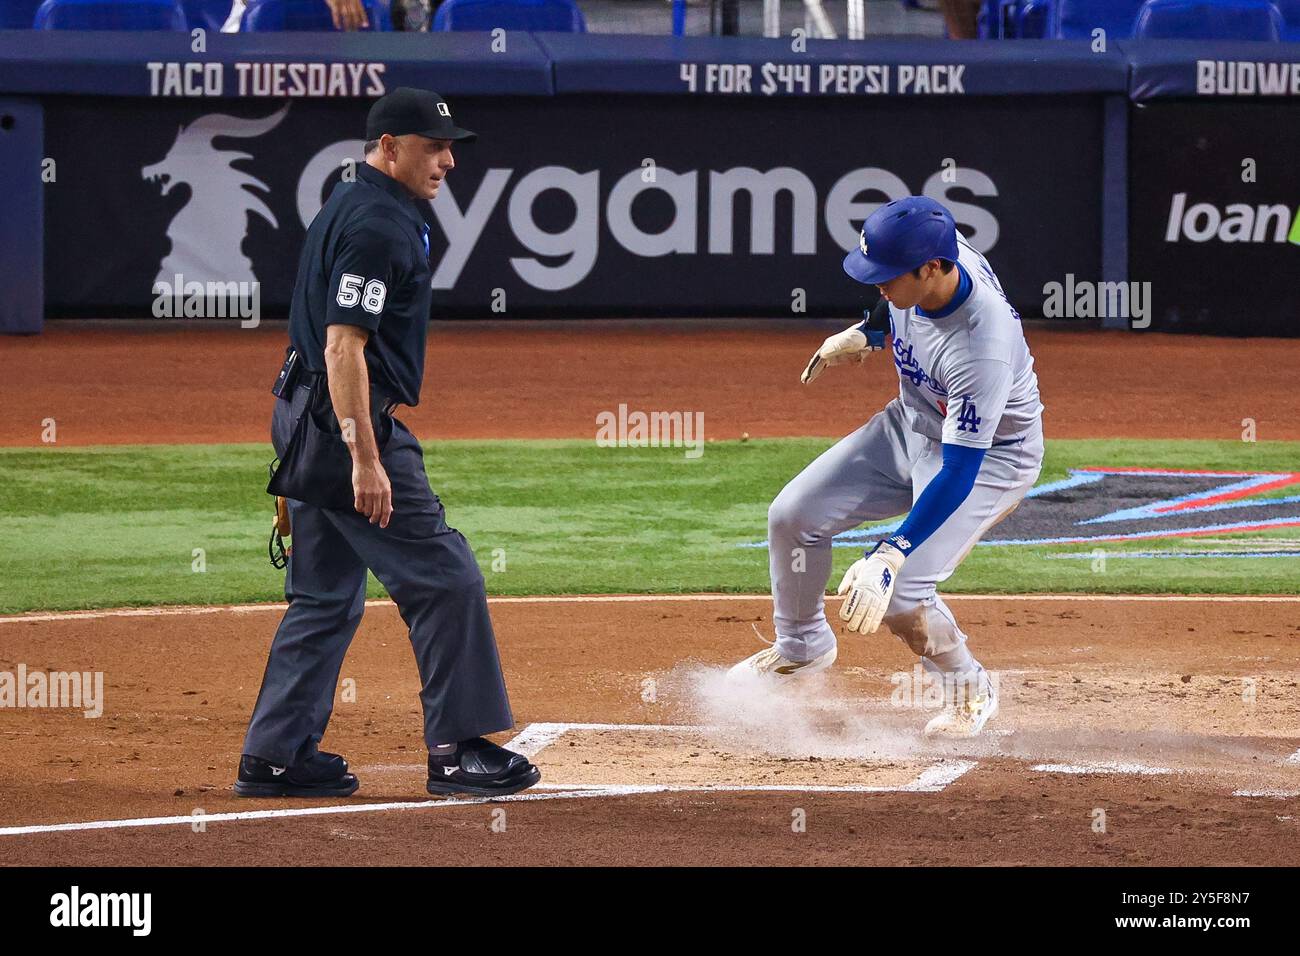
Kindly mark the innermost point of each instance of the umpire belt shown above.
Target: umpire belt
(296, 374)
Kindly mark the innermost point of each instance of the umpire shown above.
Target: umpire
(356, 489)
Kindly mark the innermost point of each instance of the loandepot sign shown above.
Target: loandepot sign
(1095, 505)
(1236, 222)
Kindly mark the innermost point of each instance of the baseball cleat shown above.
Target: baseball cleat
(480, 768)
(768, 663)
(965, 718)
(322, 775)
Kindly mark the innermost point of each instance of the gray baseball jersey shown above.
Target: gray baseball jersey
(966, 376)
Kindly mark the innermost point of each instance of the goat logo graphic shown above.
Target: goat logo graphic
(208, 232)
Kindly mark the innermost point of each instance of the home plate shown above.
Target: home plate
(685, 757)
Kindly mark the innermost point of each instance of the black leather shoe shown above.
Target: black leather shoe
(322, 775)
(482, 769)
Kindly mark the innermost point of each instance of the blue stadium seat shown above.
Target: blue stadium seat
(1031, 19)
(110, 15)
(988, 23)
(1014, 19)
(17, 14)
(208, 14)
(1076, 19)
(1290, 10)
(562, 16)
(270, 16)
(1217, 20)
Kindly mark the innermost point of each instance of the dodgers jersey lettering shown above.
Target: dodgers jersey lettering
(967, 377)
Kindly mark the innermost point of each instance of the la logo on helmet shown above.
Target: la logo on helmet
(862, 243)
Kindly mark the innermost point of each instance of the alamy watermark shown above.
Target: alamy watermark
(75, 908)
(180, 299)
(77, 690)
(639, 429)
(924, 689)
(1080, 299)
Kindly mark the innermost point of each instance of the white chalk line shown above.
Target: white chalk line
(536, 737)
(937, 776)
(530, 740)
(206, 818)
(1101, 767)
(191, 611)
(541, 792)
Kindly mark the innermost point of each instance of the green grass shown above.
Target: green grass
(97, 527)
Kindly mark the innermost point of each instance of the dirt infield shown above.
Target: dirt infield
(163, 382)
(1152, 717)
(1133, 731)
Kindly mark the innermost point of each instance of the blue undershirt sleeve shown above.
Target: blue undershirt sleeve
(941, 497)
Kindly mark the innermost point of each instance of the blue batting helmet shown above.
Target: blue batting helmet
(900, 236)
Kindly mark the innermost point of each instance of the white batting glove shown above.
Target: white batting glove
(840, 349)
(869, 584)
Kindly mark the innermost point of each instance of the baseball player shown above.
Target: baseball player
(358, 496)
(956, 451)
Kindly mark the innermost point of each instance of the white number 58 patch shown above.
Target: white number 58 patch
(354, 289)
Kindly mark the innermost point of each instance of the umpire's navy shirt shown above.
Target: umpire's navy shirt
(366, 263)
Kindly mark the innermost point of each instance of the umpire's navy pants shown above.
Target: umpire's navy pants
(432, 576)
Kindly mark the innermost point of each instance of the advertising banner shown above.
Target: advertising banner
(578, 205)
(1215, 214)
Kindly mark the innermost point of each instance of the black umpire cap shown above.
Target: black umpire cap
(408, 110)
